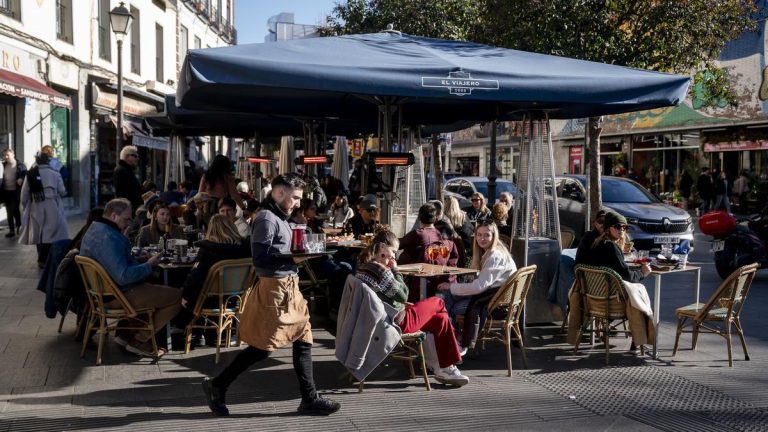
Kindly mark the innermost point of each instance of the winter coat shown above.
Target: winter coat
(44, 221)
(126, 184)
(105, 243)
(365, 332)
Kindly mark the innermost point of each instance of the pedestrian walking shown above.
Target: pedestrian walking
(43, 220)
(706, 189)
(741, 191)
(722, 202)
(13, 178)
(124, 179)
(276, 312)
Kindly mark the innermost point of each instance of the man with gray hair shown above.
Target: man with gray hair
(124, 179)
(106, 243)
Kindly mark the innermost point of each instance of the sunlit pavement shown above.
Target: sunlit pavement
(45, 384)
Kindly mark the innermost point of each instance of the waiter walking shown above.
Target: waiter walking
(276, 313)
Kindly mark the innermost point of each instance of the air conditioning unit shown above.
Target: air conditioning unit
(159, 88)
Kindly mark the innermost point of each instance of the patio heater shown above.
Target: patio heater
(535, 223)
(379, 175)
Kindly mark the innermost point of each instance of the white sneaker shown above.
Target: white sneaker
(451, 375)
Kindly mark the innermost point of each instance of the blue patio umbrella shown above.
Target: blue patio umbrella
(432, 81)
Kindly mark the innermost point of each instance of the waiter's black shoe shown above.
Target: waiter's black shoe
(215, 397)
(10, 234)
(319, 406)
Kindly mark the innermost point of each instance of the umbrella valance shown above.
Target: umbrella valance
(433, 81)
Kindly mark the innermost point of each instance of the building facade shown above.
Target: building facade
(58, 80)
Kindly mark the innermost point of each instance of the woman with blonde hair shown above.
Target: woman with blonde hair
(499, 214)
(222, 241)
(479, 210)
(495, 264)
(377, 268)
(160, 225)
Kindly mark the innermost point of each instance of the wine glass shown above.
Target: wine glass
(432, 254)
(445, 253)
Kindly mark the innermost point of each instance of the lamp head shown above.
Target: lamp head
(120, 20)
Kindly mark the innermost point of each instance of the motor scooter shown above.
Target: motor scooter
(736, 242)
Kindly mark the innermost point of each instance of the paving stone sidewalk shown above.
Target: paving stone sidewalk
(46, 386)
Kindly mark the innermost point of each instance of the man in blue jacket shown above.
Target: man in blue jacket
(107, 243)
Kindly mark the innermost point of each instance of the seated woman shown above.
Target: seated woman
(479, 210)
(495, 264)
(222, 242)
(160, 225)
(341, 212)
(605, 252)
(377, 268)
(416, 245)
(500, 213)
(309, 208)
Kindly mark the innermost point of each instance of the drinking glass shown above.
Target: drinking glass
(321, 242)
(642, 257)
(445, 253)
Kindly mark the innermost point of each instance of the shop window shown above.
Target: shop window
(61, 141)
(12, 8)
(105, 32)
(183, 43)
(198, 43)
(135, 41)
(7, 125)
(64, 20)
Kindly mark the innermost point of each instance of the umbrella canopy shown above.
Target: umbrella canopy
(189, 122)
(287, 154)
(433, 81)
(340, 166)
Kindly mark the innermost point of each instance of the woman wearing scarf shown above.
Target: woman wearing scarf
(43, 219)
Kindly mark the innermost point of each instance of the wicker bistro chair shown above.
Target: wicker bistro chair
(410, 349)
(604, 301)
(228, 282)
(720, 312)
(504, 312)
(102, 290)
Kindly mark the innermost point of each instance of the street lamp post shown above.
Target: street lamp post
(120, 20)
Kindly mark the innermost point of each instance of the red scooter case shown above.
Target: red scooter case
(717, 223)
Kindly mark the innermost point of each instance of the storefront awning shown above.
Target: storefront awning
(133, 128)
(24, 87)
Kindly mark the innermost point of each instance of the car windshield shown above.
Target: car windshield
(482, 187)
(617, 191)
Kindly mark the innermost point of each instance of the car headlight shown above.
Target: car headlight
(633, 221)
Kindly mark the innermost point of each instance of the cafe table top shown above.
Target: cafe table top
(430, 270)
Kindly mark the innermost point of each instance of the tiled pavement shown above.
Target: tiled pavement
(45, 385)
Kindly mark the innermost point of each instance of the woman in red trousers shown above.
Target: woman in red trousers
(377, 268)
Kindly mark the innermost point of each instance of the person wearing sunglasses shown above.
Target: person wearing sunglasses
(605, 252)
(478, 211)
(124, 179)
(366, 220)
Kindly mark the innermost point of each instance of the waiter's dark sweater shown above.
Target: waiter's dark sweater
(270, 234)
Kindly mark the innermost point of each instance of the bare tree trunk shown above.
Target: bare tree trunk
(437, 167)
(594, 128)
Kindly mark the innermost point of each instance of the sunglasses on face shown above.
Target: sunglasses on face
(476, 199)
(620, 227)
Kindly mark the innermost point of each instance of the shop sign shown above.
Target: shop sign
(131, 105)
(15, 60)
(736, 146)
(460, 83)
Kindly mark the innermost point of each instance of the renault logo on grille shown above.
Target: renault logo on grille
(667, 224)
